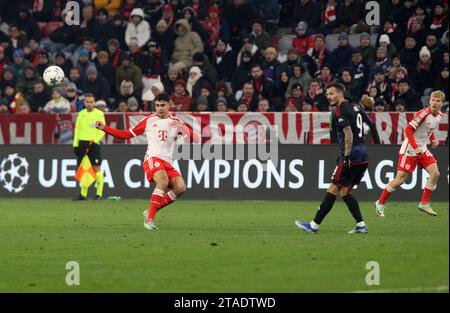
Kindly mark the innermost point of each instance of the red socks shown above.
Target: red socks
(155, 202)
(427, 192)
(387, 192)
(158, 201)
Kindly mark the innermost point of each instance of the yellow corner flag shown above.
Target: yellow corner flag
(85, 173)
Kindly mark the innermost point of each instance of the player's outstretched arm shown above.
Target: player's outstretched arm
(121, 134)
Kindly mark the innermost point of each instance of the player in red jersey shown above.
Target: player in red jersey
(414, 151)
(162, 130)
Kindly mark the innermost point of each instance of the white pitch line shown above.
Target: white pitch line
(416, 289)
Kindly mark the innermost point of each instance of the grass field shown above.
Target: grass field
(217, 246)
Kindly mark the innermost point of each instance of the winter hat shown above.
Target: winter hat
(167, 7)
(302, 25)
(84, 53)
(91, 71)
(195, 69)
(384, 38)
(383, 49)
(364, 35)
(214, 9)
(202, 99)
(18, 53)
(158, 85)
(343, 35)
(72, 86)
(424, 51)
(132, 101)
(221, 100)
(180, 82)
(138, 12)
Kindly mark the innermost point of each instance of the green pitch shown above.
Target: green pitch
(218, 246)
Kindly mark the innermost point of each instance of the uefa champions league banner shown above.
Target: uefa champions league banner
(292, 128)
(281, 172)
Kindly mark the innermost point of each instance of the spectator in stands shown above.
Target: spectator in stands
(75, 75)
(202, 104)
(249, 97)
(317, 95)
(195, 82)
(396, 36)
(319, 53)
(224, 90)
(205, 91)
(113, 6)
(75, 98)
(325, 76)
(292, 59)
(106, 70)
(412, 100)
(418, 32)
(367, 50)
(62, 62)
(153, 11)
(104, 29)
(128, 71)
(133, 105)
(9, 94)
(409, 55)
(239, 16)
(264, 105)
(290, 106)
(4, 28)
(403, 13)
(3, 61)
(263, 86)
(16, 39)
(425, 73)
(122, 106)
(19, 63)
(385, 42)
(307, 11)
(101, 105)
(137, 56)
(4, 107)
(137, 28)
(309, 106)
(126, 91)
(262, 38)
(400, 74)
(149, 96)
(352, 87)
(58, 104)
(383, 62)
(329, 18)
(282, 86)
(248, 45)
(84, 63)
(200, 60)
(341, 56)
(419, 14)
(8, 78)
(215, 27)
(186, 44)
(295, 97)
(439, 20)
(442, 82)
(164, 37)
(399, 105)
(23, 108)
(380, 105)
(358, 69)
(299, 76)
(435, 49)
(168, 15)
(89, 23)
(31, 51)
(180, 100)
(303, 42)
(224, 60)
(115, 53)
(26, 83)
(222, 105)
(383, 86)
(200, 7)
(189, 15)
(95, 84)
(173, 74)
(127, 7)
(27, 24)
(119, 30)
(39, 97)
(349, 17)
(270, 63)
(241, 73)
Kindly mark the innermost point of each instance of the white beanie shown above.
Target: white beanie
(424, 51)
(195, 69)
(158, 85)
(384, 38)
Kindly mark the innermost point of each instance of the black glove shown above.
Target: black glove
(346, 161)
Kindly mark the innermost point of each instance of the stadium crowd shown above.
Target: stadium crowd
(219, 55)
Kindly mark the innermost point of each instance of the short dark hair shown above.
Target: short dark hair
(256, 65)
(405, 81)
(162, 97)
(86, 95)
(338, 86)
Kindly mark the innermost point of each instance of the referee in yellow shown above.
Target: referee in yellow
(86, 141)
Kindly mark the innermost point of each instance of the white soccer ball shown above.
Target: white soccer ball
(53, 76)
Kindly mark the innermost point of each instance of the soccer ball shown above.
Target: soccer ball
(53, 76)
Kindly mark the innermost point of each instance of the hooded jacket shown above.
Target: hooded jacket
(186, 44)
(140, 31)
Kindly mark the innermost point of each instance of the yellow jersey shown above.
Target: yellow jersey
(85, 126)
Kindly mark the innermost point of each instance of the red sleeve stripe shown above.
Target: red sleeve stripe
(132, 132)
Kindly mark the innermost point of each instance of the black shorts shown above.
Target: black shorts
(93, 154)
(349, 177)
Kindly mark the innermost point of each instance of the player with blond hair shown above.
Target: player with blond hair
(414, 151)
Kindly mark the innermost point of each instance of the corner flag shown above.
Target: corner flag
(85, 172)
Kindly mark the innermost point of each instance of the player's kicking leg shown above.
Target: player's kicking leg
(392, 186)
(430, 185)
(162, 182)
(353, 207)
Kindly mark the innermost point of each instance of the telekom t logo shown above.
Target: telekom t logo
(72, 11)
(162, 134)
